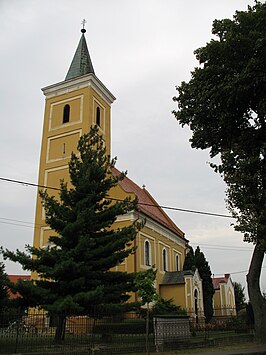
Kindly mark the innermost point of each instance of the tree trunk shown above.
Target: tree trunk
(256, 299)
(147, 329)
(60, 329)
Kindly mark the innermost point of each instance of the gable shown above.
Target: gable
(216, 281)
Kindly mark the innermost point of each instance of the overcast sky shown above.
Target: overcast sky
(140, 50)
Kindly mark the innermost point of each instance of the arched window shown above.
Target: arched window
(98, 116)
(147, 253)
(66, 113)
(177, 262)
(164, 260)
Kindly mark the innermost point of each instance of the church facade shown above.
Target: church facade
(224, 298)
(71, 108)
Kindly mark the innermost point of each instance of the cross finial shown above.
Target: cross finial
(83, 25)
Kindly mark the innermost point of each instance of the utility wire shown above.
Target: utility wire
(222, 246)
(32, 225)
(15, 220)
(235, 272)
(213, 246)
(115, 199)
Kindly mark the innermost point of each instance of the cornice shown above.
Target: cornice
(155, 226)
(89, 80)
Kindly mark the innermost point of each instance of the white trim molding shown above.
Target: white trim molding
(89, 80)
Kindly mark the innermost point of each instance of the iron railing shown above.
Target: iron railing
(34, 333)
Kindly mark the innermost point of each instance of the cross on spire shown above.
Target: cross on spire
(83, 25)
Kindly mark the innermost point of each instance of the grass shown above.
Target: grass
(209, 350)
(202, 342)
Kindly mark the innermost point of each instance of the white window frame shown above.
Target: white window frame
(149, 261)
(164, 260)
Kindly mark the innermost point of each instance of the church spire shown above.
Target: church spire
(81, 63)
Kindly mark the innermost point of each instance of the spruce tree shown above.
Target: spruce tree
(197, 260)
(189, 263)
(75, 269)
(4, 285)
(240, 298)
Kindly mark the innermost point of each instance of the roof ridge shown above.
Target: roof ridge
(148, 205)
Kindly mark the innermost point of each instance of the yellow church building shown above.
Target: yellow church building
(71, 108)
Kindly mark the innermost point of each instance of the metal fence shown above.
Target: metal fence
(34, 333)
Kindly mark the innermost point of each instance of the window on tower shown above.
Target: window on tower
(66, 113)
(98, 116)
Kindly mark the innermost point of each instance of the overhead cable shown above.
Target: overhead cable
(115, 199)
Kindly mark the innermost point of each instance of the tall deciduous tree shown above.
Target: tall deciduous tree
(224, 104)
(198, 260)
(75, 269)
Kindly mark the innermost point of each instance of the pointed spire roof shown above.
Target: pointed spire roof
(81, 63)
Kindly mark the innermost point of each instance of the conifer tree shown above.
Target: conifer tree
(240, 298)
(4, 285)
(75, 267)
(197, 260)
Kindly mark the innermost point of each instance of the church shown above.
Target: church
(71, 108)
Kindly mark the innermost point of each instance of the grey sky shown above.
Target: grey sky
(140, 50)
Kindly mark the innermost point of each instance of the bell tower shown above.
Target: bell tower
(71, 108)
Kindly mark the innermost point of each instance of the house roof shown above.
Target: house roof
(175, 277)
(216, 281)
(14, 279)
(81, 63)
(147, 205)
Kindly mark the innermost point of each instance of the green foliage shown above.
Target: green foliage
(75, 267)
(4, 286)
(167, 307)
(144, 282)
(198, 260)
(240, 297)
(189, 263)
(224, 105)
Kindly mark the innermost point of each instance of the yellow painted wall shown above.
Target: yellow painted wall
(60, 139)
(217, 299)
(157, 243)
(174, 292)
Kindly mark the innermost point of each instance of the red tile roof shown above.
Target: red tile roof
(147, 205)
(14, 279)
(217, 280)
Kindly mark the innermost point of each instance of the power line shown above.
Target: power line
(29, 184)
(115, 199)
(236, 272)
(32, 225)
(19, 225)
(15, 220)
(221, 247)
